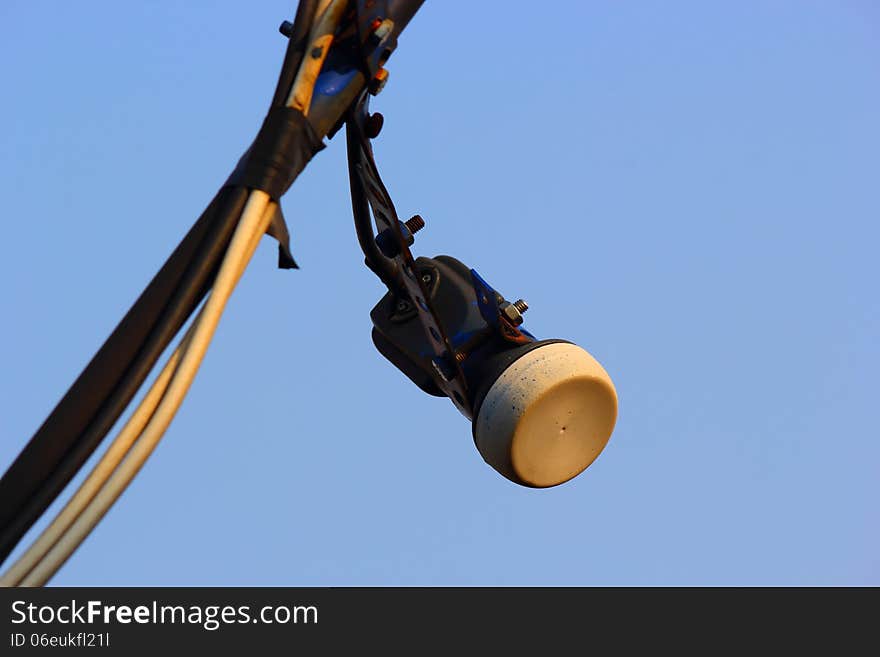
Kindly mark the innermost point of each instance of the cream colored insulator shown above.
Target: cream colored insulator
(547, 416)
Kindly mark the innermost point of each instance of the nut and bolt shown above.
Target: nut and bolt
(514, 311)
(387, 241)
(382, 29)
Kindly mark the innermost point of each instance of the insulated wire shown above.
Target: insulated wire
(95, 401)
(384, 268)
(108, 462)
(321, 37)
(146, 426)
(99, 474)
(306, 11)
(255, 220)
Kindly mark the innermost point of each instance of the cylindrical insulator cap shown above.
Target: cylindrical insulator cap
(547, 416)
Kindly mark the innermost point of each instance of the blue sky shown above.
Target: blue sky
(689, 190)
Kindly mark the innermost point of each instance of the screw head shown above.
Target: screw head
(373, 125)
(286, 28)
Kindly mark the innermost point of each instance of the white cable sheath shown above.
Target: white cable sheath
(106, 465)
(320, 39)
(99, 474)
(255, 219)
(144, 429)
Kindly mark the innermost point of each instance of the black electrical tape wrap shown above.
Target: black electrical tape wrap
(282, 149)
(285, 144)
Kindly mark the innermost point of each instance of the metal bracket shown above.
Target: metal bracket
(488, 301)
(448, 373)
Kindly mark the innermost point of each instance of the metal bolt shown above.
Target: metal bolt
(403, 306)
(414, 223)
(383, 29)
(514, 311)
(286, 28)
(387, 242)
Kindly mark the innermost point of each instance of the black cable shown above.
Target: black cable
(302, 25)
(402, 12)
(384, 268)
(103, 390)
(95, 401)
(100, 394)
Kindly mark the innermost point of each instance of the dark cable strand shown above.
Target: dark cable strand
(302, 24)
(384, 268)
(57, 451)
(109, 382)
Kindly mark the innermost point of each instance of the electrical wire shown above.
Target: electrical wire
(107, 385)
(101, 489)
(99, 474)
(384, 268)
(306, 11)
(128, 452)
(320, 40)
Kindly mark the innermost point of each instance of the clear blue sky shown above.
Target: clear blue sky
(689, 190)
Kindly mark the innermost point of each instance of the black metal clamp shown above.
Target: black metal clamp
(450, 378)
